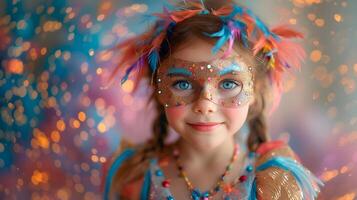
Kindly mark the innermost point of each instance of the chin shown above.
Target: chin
(208, 142)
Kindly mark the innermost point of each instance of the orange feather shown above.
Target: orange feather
(179, 16)
(259, 45)
(225, 10)
(287, 32)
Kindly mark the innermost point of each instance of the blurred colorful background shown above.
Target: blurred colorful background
(59, 126)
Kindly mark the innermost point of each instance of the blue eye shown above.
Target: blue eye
(182, 85)
(229, 84)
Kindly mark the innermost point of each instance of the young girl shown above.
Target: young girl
(213, 66)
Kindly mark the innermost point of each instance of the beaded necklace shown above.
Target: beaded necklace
(238, 189)
(196, 194)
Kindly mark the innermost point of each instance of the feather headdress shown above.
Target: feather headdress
(142, 53)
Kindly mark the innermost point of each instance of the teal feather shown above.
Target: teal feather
(153, 59)
(259, 23)
(224, 34)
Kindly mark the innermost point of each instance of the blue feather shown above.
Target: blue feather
(154, 58)
(221, 41)
(127, 73)
(217, 34)
(224, 34)
(240, 25)
(275, 36)
(259, 24)
(138, 63)
(303, 177)
(236, 10)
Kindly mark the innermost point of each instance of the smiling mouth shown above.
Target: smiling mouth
(205, 127)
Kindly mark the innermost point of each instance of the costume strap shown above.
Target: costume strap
(127, 153)
(145, 190)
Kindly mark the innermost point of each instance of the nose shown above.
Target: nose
(204, 103)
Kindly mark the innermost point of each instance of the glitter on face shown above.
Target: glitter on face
(228, 81)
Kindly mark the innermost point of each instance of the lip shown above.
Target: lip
(204, 127)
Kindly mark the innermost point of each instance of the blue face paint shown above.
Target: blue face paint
(178, 71)
(229, 69)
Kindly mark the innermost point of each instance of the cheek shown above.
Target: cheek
(175, 114)
(236, 117)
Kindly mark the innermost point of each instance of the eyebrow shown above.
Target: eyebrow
(178, 71)
(229, 69)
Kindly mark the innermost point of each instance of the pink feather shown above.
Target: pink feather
(230, 47)
(291, 53)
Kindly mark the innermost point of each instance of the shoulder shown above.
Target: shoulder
(124, 174)
(280, 175)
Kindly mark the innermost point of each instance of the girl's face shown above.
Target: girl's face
(207, 115)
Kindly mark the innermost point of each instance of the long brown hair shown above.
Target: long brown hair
(134, 168)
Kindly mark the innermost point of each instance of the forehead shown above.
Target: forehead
(198, 50)
(217, 66)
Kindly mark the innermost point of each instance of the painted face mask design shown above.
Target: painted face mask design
(226, 82)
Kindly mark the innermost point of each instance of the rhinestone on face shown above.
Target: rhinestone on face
(159, 80)
(159, 91)
(209, 66)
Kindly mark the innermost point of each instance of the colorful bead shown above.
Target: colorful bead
(206, 194)
(170, 198)
(243, 178)
(249, 168)
(195, 193)
(227, 188)
(158, 173)
(166, 183)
